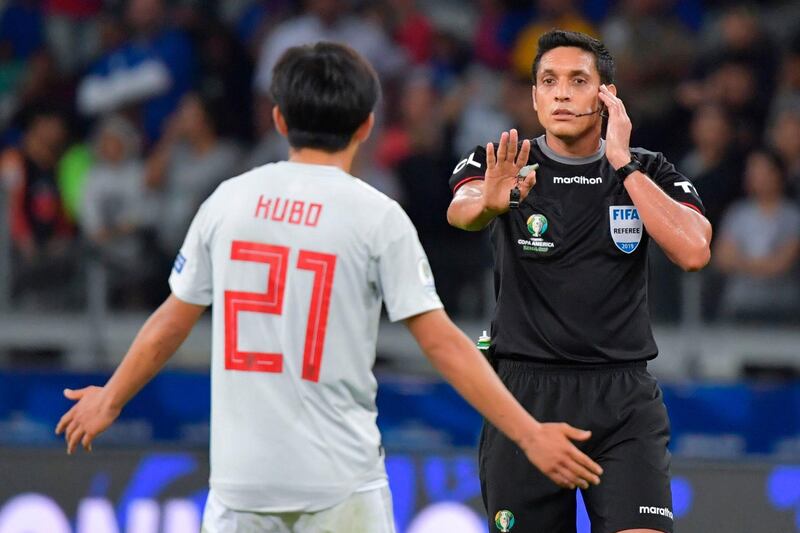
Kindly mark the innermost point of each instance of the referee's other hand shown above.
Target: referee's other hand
(550, 449)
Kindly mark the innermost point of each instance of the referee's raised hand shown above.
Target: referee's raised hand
(502, 169)
(550, 449)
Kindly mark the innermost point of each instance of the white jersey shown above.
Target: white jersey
(296, 260)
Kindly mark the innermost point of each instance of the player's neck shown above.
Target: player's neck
(582, 147)
(310, 156)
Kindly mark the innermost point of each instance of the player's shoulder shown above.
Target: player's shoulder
(362, 188)
(229, 189)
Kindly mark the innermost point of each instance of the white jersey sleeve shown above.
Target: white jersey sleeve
(192, 275)
(405, 278)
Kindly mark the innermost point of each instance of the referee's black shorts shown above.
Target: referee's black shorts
(622, 405)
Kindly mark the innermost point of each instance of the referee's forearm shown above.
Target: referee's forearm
(469, 214)
(683, 234)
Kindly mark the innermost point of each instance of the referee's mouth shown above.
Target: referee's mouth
(563, 114)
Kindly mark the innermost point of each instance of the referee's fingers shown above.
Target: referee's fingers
(524, 153)
(490, 159)
(502, 148)
(513, 139)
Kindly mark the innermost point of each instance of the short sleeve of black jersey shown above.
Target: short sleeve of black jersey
(675, 184)
(471, 167)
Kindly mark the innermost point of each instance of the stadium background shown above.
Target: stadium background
(118, 117)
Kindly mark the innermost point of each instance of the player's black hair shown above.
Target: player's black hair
(325, 92)
(558, 38)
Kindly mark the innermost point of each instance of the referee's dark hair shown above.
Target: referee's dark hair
(558, 38)
(325, 92)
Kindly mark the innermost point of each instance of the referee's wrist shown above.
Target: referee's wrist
(618, 161)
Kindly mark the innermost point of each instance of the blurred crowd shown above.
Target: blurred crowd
(118, 118)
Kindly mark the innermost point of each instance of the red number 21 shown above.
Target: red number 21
(271, 302)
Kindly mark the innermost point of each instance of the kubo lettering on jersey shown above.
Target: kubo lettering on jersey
(625, 227)
(291, 211)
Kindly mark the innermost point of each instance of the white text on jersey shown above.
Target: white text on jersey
(286, 210)
(579, 180)
(468, 161)
(686, 186)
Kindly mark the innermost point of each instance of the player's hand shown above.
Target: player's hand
(502, 169)
(618, 132)
(88, 418)
(550, 449)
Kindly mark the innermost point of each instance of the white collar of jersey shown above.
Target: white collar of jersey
(546, 150)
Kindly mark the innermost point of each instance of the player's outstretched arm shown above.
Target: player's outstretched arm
(547, 445)
(156, 342)
(476, 203)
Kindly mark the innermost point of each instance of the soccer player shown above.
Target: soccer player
(571, 334)
(296, 258)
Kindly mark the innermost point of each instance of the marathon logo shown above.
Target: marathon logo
(663, 511)
(625, 227)
(576, 180)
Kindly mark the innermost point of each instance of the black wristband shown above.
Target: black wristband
(625, 171)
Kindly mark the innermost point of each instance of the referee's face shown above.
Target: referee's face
(568, 85)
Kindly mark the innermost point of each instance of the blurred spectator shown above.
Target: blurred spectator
(153, 68)
(759, 246)
(116, 216)
(450, 59)
(713, 162)
(21, 29)
(407, 25)
(256, 20)
(72, 31)
(787, 97)
(414, 149)
(329, 20)
(738, 70)
(491, 48)
(191, 159)
(226, 75)
(562, 14)
(785, 138)
(42, 84)
(742, 36)
(734, 84)
(517, 102)
(72, 170)
(412, 30)
(653, 50)
(40, 231)
(481, 114)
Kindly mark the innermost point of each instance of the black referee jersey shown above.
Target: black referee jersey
(570, 272)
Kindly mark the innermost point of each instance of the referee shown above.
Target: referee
(571, 333)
